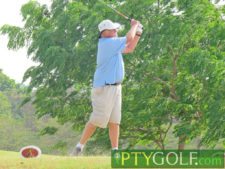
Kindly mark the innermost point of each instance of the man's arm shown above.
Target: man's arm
(132, 37)
(132, 45)
(131, 34)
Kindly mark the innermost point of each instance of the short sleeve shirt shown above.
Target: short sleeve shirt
(110, 65)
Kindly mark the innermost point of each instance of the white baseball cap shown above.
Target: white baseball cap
(108, 24)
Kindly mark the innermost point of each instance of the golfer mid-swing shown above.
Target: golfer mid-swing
(109, 74)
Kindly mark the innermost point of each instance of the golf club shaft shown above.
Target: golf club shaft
(118, 12)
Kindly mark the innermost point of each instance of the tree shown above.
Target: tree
(6, 83)
(170, 81)
(5, 106)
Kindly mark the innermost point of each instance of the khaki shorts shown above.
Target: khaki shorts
(106, 104)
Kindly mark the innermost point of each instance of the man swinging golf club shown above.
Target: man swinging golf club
(109, 74)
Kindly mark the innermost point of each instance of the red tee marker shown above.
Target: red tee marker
(30, 152)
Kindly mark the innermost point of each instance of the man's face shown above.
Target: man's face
(109, 33)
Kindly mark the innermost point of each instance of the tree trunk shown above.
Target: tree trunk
(181, 142)
(199, 145)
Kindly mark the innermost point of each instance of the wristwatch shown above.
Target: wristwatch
(138, 34)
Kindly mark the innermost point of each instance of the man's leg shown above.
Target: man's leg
(87, 133)
(115, 117)
(114, 134)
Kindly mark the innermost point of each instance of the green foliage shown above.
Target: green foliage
(48, 130)
(6, 83)
(16, 36)
(5, 106)
(19, 126)
(61, 146)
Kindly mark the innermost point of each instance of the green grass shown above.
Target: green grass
(12, 160)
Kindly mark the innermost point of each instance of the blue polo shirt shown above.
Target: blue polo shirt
(110, 65)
